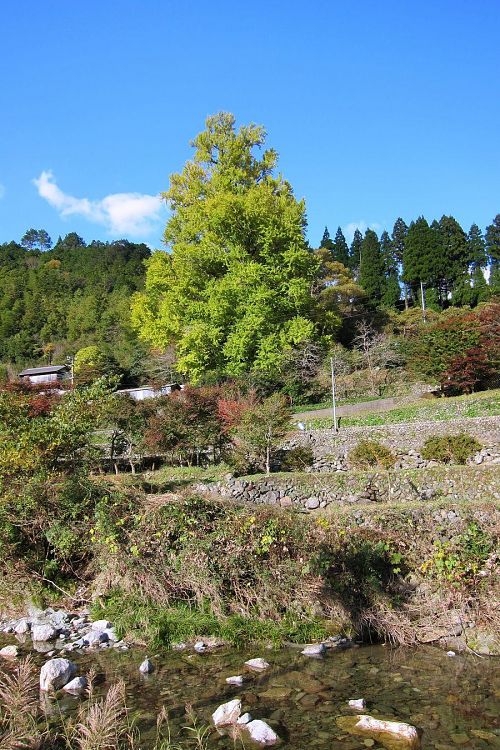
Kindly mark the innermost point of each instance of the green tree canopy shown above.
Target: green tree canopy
(355, 249)
(36, 239)
(371, 272)
(326, 241)
(391, 291)
(235, 290)
(493, 250)
(341, 248)
(422, 255)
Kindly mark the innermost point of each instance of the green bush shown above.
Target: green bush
(370, 454)
(297, 459)
(449, 449)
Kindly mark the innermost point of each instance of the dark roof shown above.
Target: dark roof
(43, 370)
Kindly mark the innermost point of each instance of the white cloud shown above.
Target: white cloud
(120, 213)
(2, 190)
(362, 225)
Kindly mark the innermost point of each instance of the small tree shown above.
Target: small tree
(92, 363)
(261, 429)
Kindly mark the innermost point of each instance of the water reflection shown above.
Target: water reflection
(454, 700)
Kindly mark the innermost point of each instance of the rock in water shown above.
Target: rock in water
(235, 680)
(9, 652)
(394, 735)
(314, 649)
(261, 732)
(227, 714)
(77, 685)
(43, 632)
(257, 664)
(357, 703)
(56, 673)
(146, 667)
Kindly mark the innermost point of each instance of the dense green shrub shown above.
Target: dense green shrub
(370, 454)
(297, 459)
(449, 449)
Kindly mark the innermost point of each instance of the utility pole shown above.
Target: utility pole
(71, 362)
(422, 299)
(334, 403)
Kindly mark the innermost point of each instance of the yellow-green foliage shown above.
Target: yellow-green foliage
(450, 448)
(370, 454)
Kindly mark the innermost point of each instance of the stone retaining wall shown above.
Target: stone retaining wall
(330, 449)
(311, 492)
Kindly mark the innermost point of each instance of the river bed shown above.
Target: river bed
(453, 699)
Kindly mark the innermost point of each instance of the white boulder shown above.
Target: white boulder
(227, 713)
(56, 673)
(42, 632)
(9, 652)
(314, 649)
(244, 719)
(261, 732)
(358, 703)
(23, 626)
(378, 729)
(146, 667)
(96, 637)
(257, 664)
(101, 625)
(111, 633)
(237, 679)
(77, 685)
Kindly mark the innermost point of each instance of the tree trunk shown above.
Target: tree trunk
(268, 459)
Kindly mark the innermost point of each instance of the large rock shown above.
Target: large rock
(314, 649)
(23, 626)
(227, 714)
(261, 732)
(76, 686)
(257, 664)
(357, 703)
(56, 673)
(147, 667)
(96, 637)
(42, 632)
(394, 735)
(101, 625)
(236, 679)
(9, 652)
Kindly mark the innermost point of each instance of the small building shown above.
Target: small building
(49, 374)
(148, 391)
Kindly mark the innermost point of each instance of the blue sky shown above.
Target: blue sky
(378, 109)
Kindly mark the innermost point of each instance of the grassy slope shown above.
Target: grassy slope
(484, 404)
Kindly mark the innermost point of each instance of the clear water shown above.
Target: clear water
(454, 700)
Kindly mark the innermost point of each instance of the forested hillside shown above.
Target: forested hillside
(53, 302)
(241, 294)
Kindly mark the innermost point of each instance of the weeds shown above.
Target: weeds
(19, 708)
(101, 724)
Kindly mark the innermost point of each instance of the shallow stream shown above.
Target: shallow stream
(454, 700)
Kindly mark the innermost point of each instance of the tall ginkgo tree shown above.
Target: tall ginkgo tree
(233, 292)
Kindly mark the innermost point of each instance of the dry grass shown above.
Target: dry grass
(103, 724)
(19, 708)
